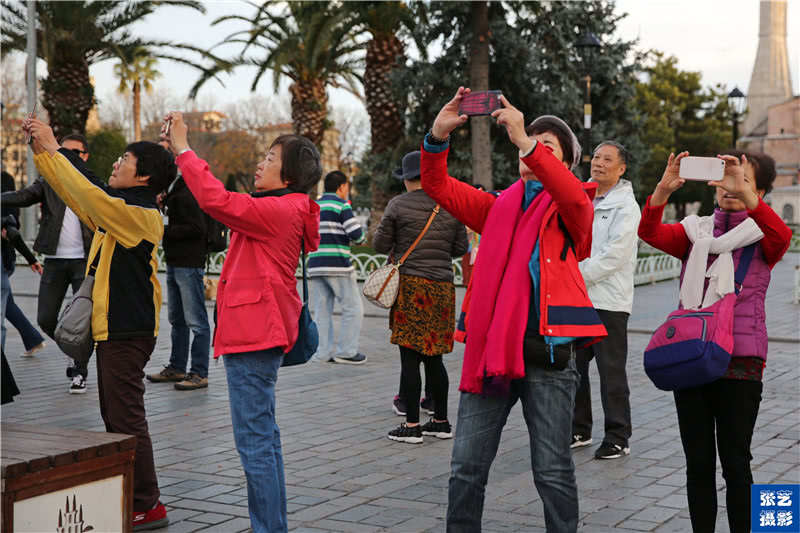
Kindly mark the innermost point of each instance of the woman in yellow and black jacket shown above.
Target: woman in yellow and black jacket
(127, 295)
(128, 228)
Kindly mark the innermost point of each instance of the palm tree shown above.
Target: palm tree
(311, 43)
(382, 20)
(136, 70)
(73, 35)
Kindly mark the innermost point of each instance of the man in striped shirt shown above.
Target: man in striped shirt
(332, 277)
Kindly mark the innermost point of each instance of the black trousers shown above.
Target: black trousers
(57, 276)
(724, 411)
(611, 356)
(411, 383)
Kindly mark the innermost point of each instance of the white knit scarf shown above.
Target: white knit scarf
(700, 231)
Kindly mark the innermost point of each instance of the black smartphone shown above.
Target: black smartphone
(480, 103)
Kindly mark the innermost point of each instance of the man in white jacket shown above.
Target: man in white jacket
(608, 274)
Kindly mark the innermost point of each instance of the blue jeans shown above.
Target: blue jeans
(5, 292)
(187, 312)
(323, 291)
(547, 399)
(30, 335)
(251, 389)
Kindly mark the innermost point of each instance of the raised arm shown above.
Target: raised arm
(669, 238)
(569, 195)
(777, 235)
(467, 204)
(257, 218)
(98, 206)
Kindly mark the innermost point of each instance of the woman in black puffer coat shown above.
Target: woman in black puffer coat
(422, 319)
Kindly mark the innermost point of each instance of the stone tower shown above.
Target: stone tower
(770, 82)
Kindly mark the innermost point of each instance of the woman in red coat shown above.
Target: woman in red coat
(258, 307)
(528, 309)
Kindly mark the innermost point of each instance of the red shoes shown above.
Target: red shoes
(155, 518)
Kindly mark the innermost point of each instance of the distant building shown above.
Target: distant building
(770, 81)
(204, 121)
(772, 124)
(13, 151)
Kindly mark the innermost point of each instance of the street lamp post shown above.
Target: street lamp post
(737, 102)
(587, 43)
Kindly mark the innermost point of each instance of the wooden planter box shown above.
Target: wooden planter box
(65, 480)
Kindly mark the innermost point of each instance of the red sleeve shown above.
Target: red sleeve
(572, 201)
(240, 212)
(669, 238)
(466, 203)
(777, 235)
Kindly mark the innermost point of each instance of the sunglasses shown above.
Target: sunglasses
(79, 152)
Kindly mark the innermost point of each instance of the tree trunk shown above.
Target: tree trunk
(309, 109)
(137, 110)
(68, 96)
(479, 81)
(386, 115)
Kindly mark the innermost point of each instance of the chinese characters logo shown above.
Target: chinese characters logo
(775, 508)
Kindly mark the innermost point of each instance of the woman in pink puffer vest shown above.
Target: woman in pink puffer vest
(722, 414)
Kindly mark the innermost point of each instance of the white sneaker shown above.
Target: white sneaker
(29, 353)
(78, 385)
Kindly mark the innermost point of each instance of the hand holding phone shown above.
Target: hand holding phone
(32, 114)
(701, 168)
(480, 103)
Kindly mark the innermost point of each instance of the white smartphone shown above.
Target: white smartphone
(702, 168)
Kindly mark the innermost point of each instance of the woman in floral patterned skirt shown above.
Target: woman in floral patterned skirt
(422, 319)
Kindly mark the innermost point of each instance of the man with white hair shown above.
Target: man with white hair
(608, 274)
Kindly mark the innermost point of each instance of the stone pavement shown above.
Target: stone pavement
(343, 474)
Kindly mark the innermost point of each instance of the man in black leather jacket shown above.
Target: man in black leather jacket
(64, 241)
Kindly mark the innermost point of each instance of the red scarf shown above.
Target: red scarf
(501, 292)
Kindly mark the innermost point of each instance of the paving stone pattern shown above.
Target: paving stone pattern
(344, 475)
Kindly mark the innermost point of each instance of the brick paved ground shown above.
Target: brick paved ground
(343, 474)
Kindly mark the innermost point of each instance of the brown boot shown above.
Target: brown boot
(167, 374)
(192, 382)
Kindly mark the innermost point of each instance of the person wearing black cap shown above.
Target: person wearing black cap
(422, 319)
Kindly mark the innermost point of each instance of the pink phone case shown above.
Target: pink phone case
(480, 103)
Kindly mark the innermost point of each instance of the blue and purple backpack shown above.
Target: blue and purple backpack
(693, 346)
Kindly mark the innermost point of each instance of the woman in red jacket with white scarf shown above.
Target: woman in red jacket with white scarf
(258, 307)
(528, 309)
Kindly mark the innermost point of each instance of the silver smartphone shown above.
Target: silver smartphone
(702, 168)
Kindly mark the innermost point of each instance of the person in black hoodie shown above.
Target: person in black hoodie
(184, 246)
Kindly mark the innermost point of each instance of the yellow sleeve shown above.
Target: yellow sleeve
(95, 205)
(46, 166)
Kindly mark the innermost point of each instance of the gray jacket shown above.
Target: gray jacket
(402, 222)
(52, 215)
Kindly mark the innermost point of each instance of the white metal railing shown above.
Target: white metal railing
(648, 269)
(655, 268)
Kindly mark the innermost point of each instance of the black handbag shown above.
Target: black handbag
(307, 334)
